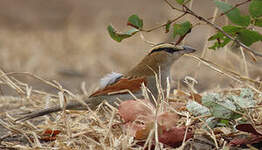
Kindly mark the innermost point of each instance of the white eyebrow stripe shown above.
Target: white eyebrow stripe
(109, 79)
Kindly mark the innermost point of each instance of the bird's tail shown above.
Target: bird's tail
(91, 103)
(42, 112)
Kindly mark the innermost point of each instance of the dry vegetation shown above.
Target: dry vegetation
(67, 42)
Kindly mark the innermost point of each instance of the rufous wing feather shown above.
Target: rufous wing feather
(123, 85)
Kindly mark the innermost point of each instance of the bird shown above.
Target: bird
(117, 86)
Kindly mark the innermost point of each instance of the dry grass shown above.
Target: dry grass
(99, 129)
(73, 51)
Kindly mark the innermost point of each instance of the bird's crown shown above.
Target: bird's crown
(170, 48)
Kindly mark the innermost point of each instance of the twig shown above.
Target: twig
(189, 11)
(224, 13)
(190, 5)
(162, 25)
(181, 38)
(173, 7)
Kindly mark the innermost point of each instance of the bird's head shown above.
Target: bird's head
(160, 57)
(167, 53)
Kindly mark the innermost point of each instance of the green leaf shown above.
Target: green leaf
(232, 30)
(120, 36)
(233, 15)
(223, 110)
(221, 39)
(180, 1)
(223, 122)
(167, 27)
(247, 97)
(247, 93)
(249, 37)
(255, 8)
(135, 22)
(197, 109)
(182, 29)
(226, 40)
(244, 100)
(258, 22)
(208, 100)
(220, 43)
(219, 35)
(242, 103)
(219, 107)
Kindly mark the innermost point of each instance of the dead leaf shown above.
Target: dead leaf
(132, 109)
(174, 136)
(167, 120)
(248, 128)
(144, 132)
(245, 139)
(49, 135)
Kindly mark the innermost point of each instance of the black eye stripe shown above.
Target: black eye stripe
(167, 49)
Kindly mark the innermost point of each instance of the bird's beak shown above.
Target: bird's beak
(188, 49)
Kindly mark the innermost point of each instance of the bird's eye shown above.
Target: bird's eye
(171, 50)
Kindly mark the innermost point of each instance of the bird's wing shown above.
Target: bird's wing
(121, 85)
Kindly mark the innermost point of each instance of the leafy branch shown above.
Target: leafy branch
(189, 11)
(224, 13)
(165, 24)
(222, 31)
(239, 33)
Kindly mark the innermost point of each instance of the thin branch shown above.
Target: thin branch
(182, 38)
(172, 6)
(189, 11)
(157, 27)
(224, 13)
(190, 5)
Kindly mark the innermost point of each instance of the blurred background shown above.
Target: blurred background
(67, 41)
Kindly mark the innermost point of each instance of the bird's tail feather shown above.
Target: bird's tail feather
(34, 114)
(39, 113)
